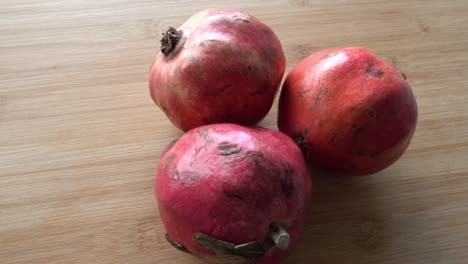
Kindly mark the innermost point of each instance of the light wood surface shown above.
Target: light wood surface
(80, 137)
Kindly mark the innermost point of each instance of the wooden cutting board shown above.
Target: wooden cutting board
(80, 137)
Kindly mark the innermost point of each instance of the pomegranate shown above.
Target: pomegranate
(221, 65)
(233, 194)
(353, 112)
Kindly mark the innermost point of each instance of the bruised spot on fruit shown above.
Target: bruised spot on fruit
(175, 175)
(323, 122)
(261, 89)
(254, 156)
(204, 133)
(205, 121)
(389, 81)
(245, 106)
(379, 74)
(370, 69)
(360, 152)
(306, 131)
(374, 155)
(319, 96)
(164, 108)
(223, 89)
(190, 176)
(404, 76)
(236, 18)
(168, 162)
(371, 113)
(169, 146)
(358, 130)
(286, 181)
(228, 149)
(371, 72)
(356, 107)
(249, 68)
(193, 59)
(229, 116)
(303, 93)
(176, 245)
(245, 21)
(232, 195)
(333, 136)
(302, 144)
(272, 54)
(199, 149)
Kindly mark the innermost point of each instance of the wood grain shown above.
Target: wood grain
(80, 138)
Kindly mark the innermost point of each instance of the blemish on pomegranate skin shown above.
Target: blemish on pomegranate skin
(227, 149)
(371, 72)
(272, 55)
(245, 106)
(176, 245)
(358, 131)
(190, 176)
(404, 76)
(169, 146)
(231, 195)
(164, 108)
(245, 21)
(223, 89)
(370, 69)
(175, 175)
(371, 113)
(324, 122)
(286, 184)
(319, 97)
(379, 74)
(203, 133)
(302, 144)
(357, 106)
(260, 90)
(303, 93)
(333, 138)
(199, 149)
(168, 162)
(254, 155)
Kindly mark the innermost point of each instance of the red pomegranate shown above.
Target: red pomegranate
(233, 194)
(353, 112)
(221, 65)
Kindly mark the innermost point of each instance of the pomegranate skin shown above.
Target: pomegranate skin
(231, 182)
(226, 68)
(354, 112)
